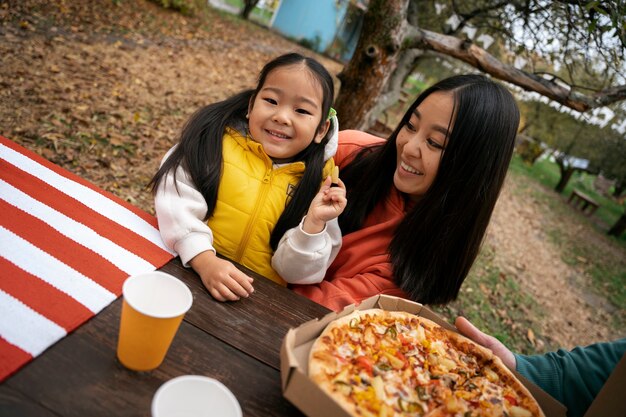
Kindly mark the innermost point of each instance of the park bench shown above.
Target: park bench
(583, 202)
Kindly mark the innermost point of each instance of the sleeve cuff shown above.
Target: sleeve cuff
(307, 242)
(522, 365)
(191, 245)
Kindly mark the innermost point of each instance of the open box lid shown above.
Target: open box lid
(310, 399)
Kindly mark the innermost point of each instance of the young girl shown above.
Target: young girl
(246, 170)
(420, 202)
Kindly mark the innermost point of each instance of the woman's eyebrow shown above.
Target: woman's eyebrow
(438, 128)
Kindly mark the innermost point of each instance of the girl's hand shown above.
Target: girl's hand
(328, 204)
(221, 278)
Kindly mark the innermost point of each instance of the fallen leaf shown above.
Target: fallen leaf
(531, 337)
(69, 154)
(116, 139)
(53, 136)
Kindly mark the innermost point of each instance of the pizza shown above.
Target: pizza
(391, 363)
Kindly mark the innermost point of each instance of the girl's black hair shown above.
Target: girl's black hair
(435, 245)
(200, 147)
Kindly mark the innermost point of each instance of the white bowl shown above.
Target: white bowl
(194, 396)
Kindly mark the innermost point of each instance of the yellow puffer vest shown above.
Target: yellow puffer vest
(251, 197)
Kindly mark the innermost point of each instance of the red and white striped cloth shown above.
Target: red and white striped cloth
(66, 248)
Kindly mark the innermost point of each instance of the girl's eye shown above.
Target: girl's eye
(270, 100)
(410, 126)
(303, 111)
(434, 144)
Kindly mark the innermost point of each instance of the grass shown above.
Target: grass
(493, 301)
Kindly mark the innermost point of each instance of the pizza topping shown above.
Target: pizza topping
(409, 406)
(344, 351)
(511, 399)
(491, 376)
(343, 387)
(379, 328)
(365, 363)
(379, 387)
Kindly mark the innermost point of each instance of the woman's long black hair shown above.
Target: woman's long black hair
(200, 147)
(438, 240)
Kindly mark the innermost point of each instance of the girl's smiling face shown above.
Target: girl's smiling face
(421, 142)
(285, 114)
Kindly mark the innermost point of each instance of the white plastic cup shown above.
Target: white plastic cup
(153, 307)
(194, 396)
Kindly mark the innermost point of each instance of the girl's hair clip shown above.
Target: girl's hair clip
(332, 113)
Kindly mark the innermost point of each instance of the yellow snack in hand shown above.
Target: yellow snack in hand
(334, 176)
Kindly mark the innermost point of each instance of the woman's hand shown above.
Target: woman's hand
(328, 204)
(221, 278)
(497, 347)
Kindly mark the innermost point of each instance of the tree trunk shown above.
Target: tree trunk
(619, 226)
(248, 6)
(405, 65)
(365, 77)
(566, 174)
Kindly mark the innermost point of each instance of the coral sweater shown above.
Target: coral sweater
(362, 267)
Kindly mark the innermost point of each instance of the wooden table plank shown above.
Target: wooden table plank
(80, 375)
(14, 403)
(256, 325)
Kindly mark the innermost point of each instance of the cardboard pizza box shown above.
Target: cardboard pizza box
(610, 400)
(312, 401)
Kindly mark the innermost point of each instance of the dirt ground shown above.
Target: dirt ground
(102, 89)
(572, 314)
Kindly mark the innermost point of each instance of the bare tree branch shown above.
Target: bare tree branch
(484, 61)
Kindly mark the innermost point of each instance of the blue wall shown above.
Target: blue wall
(304, 19)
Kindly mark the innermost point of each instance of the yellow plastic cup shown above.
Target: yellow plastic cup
(154, 305)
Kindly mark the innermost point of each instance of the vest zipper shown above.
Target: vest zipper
(265, 188)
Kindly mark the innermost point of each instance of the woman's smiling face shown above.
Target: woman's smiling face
(421, 142)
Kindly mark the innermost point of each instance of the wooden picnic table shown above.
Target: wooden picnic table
(237, 343)
(583, 202)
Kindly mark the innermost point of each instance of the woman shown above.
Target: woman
(420, 202)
